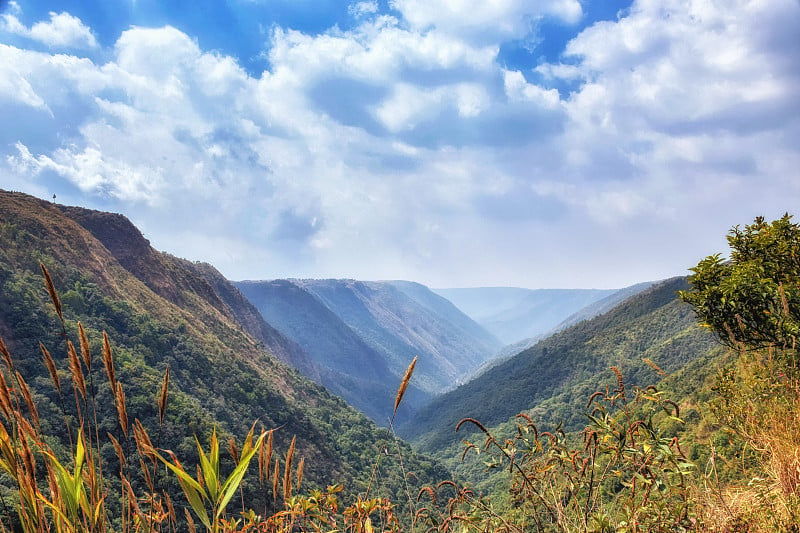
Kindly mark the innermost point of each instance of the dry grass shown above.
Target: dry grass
(766, 417)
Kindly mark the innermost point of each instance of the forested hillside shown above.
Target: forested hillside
(552, 380)
(635, 420)
(160, 311)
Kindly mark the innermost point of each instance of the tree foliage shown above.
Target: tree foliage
(753, 298)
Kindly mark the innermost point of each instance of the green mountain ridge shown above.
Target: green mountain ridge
(159, 310)
(552, 380)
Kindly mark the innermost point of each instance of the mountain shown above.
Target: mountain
(159, 310)
(585, 313)
(514, 314)
(552, 380)
(362, 336)
(134, 253)
(347, 366)
(603, 305)
(403, 319)
(248, 316)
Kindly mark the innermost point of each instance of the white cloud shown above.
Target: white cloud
(484, 19)
(403, 148)
(61, 31)
(675, 96)
(517, 88)
(361, 9)
(91, 171)
(13, 85)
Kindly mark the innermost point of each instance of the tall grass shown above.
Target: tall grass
(758, 405)
(72, 492)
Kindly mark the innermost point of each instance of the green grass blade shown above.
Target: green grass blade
(209, 468)
(233, 481)
(192, 489)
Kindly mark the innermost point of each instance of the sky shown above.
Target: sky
(457, 143)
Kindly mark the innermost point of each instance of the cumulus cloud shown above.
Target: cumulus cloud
(61, 31)
(485, 20)
(402, 147)
(361, 9)
(669, 90)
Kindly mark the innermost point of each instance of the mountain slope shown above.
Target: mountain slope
(346, 364)
(363, 335)
(158, 311)
(603, 305)
(553, 379)
(513, 314)
(403, 319)
(585, 313)
(248, 316)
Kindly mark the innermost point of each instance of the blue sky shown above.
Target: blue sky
(557, 143)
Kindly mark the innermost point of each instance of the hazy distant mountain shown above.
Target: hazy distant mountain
(402, 319)
(513, 314)
(603, 305)
(590, 311)
(363, 335)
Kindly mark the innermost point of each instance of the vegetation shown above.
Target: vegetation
(552, 380)
(752, 300)
(95, 437)
(752, 303)
(73, 492)
(220, 378)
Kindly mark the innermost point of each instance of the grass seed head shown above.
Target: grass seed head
(48, 281)
(5, 398)
(162, 399)
(51, 367)
(122, 409)
(404, 384)
(75, 367)
(276, 477)
(108, 361)
(6, 355)
(26, 395)
(84, 343)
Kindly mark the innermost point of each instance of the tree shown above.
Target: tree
(752, 300)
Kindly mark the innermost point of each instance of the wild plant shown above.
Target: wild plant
(757, 409)
(626, 474)
(75, 493)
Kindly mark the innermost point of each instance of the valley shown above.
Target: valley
(317, 363)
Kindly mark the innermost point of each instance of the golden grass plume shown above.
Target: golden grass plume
(404, 384)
